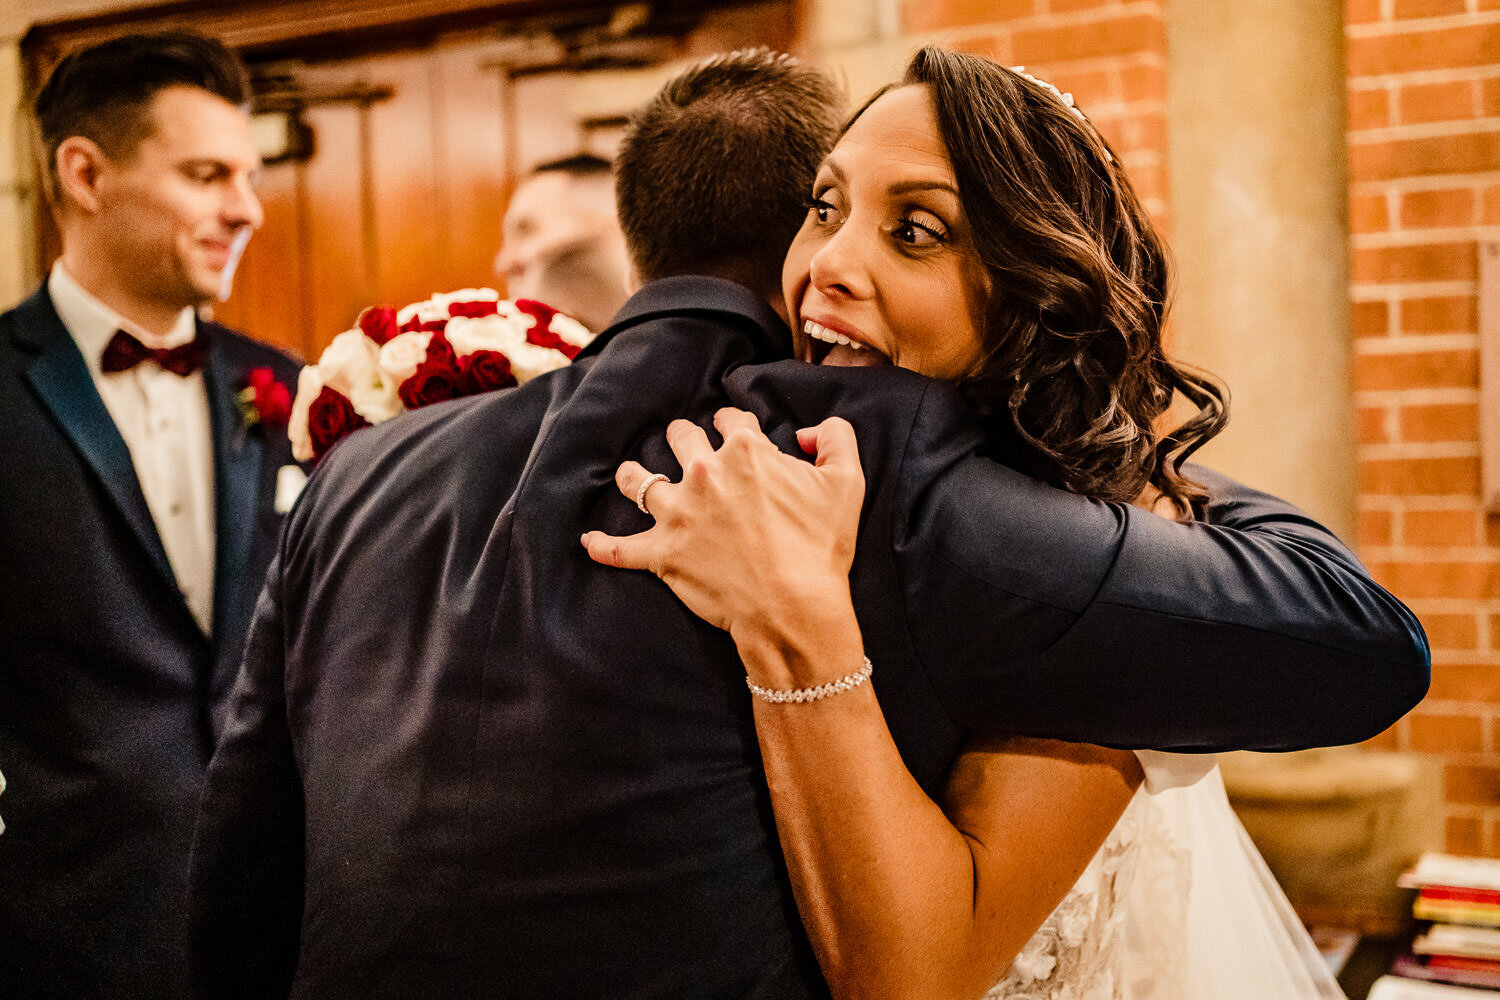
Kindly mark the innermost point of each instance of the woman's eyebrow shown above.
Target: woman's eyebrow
(919, 184)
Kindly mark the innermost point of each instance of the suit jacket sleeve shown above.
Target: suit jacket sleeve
(1253, 629)
(246, 869)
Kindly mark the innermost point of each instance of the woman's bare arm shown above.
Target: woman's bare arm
(902, 896)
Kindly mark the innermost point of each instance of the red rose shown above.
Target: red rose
(379, 323)
(438, 378)
(420, 325)
(541, 333)
(473, 309)
(329, 419)
(486, 370)
(264, 400)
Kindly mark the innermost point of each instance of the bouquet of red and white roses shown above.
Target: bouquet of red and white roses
(448, 346)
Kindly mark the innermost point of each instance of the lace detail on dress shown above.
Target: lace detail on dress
(1088, 948)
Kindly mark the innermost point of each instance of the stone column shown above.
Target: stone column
(1257, 173)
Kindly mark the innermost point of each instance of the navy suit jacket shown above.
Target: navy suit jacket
(464, 760)
(111, 696)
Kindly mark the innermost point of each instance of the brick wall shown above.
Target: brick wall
(1110, 54)
(1424, 161)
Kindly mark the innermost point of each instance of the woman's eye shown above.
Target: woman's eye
(824, 211)
(918, 234)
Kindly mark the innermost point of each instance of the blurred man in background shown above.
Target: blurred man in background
(562, 240)
(143, 451)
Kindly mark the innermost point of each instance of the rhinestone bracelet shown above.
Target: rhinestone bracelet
(782, 696)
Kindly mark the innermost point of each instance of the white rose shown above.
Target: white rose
(571, 331)
(427, 311)
(351, 365)
(445, 299)
(309, 384)
(527, 360)
(402, 354)
(349, 361)
(484, 333)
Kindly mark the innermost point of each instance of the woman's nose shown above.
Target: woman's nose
(839, 266)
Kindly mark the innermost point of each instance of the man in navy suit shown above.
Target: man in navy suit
(140, 512)
(464, 760)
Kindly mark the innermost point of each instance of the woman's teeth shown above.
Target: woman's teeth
(818, 331)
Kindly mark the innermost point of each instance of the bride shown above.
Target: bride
(972, 226)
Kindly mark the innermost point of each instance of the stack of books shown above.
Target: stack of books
(1456, 951)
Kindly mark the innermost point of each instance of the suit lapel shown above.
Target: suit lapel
(61, 380)
(237, 462)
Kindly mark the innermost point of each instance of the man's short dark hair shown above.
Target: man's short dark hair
(714, 175)
(104, 92)
(577, 166)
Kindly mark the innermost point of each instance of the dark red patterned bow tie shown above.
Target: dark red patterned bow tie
(125, 352)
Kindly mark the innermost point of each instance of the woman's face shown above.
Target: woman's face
(884, 269)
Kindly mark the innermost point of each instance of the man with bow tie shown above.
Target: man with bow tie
(140, 481)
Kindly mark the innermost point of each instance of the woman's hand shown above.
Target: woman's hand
(752, 540)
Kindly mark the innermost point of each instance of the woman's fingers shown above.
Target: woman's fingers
(620, 551)
(729, 419)
(638, 484)
(832, 443)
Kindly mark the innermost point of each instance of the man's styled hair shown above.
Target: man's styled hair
(104, 92)
(714, 175)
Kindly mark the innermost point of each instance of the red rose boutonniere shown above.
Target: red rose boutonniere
(448, 346)
(264, 400)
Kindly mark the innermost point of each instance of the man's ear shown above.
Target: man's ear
(79, 162)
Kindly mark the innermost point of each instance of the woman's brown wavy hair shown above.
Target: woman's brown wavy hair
(1074, 378)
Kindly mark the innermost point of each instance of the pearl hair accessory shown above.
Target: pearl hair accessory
(785, 695)
(1066, 99)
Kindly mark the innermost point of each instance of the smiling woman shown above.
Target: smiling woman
(969, 225)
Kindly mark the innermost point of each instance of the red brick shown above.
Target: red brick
(1452, 632)
(1464, 835)
(1088, 87)
(1119, 36)
(1362, 11)
(1489, 97)
(1369, 109)
(1492, 530)
(1370, 319)
(1422, 262)
(1455, 580)
(1440, 527)
(1446, 733)
(1369, 213)
(1472, 784)
(1410, 51)
(1420, 370)
(1420, 477)
(1374, 528)
(1464, 681)
(1066, 6)
(1468, 153)
(1374, 424)
(1133, 132)
(1427, 8)
(996, 47)
(1440, 422)
(1437, 102)
(1490, 216)
(1144, 82)
(1437, 209)
(931, 15)
(1440, 314)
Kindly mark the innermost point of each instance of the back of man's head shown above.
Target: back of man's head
(714, 174)
(104, 92)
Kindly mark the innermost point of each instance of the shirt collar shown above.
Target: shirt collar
(92, 323)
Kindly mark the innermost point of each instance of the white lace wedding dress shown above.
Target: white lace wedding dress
(1177, 905)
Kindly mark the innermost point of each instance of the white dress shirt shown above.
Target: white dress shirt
(164, 420)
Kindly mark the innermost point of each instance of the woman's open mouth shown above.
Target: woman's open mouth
(828, 347)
